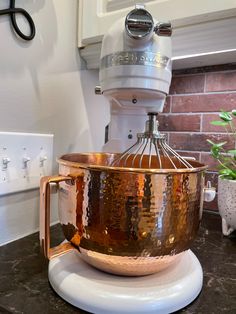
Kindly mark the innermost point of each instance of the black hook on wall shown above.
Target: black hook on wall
(12, 11)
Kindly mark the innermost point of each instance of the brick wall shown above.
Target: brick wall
(195, 99)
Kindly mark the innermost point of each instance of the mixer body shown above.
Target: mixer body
(134, 75)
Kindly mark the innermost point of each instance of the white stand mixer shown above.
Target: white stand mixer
(135, 76)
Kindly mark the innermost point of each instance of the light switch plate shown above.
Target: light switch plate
(24, 159)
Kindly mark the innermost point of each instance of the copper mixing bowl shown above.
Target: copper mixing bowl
(126, 221)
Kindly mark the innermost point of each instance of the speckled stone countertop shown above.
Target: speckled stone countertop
(24, 286)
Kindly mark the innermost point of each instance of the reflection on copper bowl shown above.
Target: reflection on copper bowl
(126, 221)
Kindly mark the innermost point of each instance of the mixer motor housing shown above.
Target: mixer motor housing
(135, 73)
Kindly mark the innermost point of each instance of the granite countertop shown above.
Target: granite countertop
(24, 286)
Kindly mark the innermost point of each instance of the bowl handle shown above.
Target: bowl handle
(44, 228)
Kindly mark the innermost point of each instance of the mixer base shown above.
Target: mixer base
(97, 292)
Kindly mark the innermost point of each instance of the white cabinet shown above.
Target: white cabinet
(201, 28)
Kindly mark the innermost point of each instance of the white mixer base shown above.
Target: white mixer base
(97, 292)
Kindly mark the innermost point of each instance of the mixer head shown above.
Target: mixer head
(135, 65)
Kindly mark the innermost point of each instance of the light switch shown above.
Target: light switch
(25, 161)
(24, 158)
(42, 160)
(5, 162)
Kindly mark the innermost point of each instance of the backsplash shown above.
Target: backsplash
(195, 99)
(43, 89)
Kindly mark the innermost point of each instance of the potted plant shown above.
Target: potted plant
(227, 171)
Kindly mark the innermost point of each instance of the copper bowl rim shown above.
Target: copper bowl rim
(197, 166)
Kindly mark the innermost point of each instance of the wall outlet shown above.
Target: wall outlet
(24, 159)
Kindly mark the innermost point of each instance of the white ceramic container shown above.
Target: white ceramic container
(227, 204)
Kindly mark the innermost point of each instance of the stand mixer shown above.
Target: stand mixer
(135, 76)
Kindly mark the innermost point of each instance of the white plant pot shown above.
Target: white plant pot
(227, 204)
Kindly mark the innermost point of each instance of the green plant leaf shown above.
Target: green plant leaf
(225, 171)
(228, 173)
(234, 112)
(220, 144)
(225, 116)
(220, 123)
(232, 152)
(215, 152)
(216, 144)
(234, 173)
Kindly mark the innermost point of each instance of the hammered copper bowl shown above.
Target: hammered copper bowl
(126, 221)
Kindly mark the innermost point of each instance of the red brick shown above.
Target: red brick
(208, 127)
(179, 122)
(204, 103)
(221, 81)
(187, 84)
(195, 141)
(166, 108)
(207, 159)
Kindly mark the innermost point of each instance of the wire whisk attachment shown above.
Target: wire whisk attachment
(151, 151)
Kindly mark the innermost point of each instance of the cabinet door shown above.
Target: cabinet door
(96, 16)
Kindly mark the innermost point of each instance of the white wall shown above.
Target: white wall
(43, 88)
